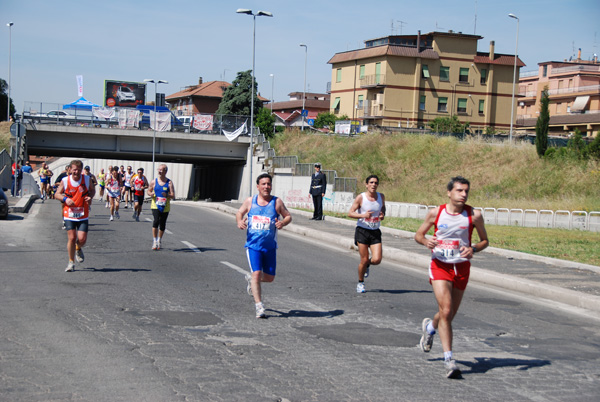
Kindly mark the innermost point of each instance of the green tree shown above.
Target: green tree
(542, 125)
(3, 101)
(577, 146)
(594, 147)
(264, 121)
(325, 119)
(236, 98)
(448, 125)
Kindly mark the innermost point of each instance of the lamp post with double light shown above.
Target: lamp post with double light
(304, 90)
(9, 25)
(155, 82)
(258, 14)
(512, 104)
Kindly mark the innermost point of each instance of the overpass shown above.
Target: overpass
(218, 164)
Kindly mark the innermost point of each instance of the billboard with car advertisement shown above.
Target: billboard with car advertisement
(124, 94)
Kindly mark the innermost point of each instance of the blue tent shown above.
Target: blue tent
(80, 104)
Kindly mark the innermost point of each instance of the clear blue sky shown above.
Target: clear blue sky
(181, 40)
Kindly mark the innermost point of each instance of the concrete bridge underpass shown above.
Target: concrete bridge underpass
(218, 164)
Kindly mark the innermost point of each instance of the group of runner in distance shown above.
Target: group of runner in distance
(263, 214)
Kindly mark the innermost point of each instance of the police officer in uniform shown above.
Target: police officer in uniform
(318, 185)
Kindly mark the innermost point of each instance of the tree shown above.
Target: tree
(594, 147)
(542, 125)
(3, 101)
(236, 98)
(577, 146)
(325, 119)
(448, 125)
(264, 121)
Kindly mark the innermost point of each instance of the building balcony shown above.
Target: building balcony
(575, 69)
(373, 81)
(524, 74)
(574, 90)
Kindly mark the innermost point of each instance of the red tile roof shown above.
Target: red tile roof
(386, 50)
(501, 59)
(211, 89)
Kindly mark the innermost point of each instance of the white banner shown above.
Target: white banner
(129, 118)
(163, 121)
(232, 135)
(80, 85)
(203, 122)
(103, 112)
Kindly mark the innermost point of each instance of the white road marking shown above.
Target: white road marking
(167, 231)
(192, 247)
(232, 266)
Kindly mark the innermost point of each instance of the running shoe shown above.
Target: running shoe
(137, 218)
(134, 215)
(106, 206)
(154, 245)
(125, 206)
(158, 244)
(111, 218)
(249, 285)
(260, 311)
(117, 215)
(360, 287)
(79, 257)
(368, 269)
(426, 340)
(452, 370)
(64, 227)
(70, 267)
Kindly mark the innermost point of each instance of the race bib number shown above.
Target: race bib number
(447, 248)
(75, 212)
(372, 222)
(261, 223)
(161, 201)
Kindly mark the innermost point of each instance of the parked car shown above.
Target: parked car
(3, 205)
(125, 94)
(59, 114)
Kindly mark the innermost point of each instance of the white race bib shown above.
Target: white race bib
(161, 201)
(372, 222)
(260, 222)
(447, 248)
(75, 212)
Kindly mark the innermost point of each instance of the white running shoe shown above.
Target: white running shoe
(125, 206)
(111, 218)
(360, 287)
(452, 370)
(249, 286)
(260, 311)
(79, 257)
(106, 206)
(426, 339)
(158, 244)
(154, 245)
(70, 267)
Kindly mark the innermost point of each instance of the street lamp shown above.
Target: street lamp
(272, 86)
(258, 14)
(304, 90)
(155, 82)
(512, 105)
(9, 25)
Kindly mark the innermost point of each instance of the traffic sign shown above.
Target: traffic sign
(311, 122)
(304, 112)
(14, 127)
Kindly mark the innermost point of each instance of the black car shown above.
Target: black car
(3, 205)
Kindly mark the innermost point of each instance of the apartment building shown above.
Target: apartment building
(202, 98)
(574, 92)
(409, 80)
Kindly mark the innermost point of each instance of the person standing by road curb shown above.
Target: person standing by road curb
(318, 186)
(369, 209)
(75, 191)
(262, 224)
(451, 252)
(162, 192)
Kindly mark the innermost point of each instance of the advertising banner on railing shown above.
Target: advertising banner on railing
(203, 122)
(124, 94)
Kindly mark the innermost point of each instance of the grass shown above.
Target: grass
(571, 245)
(5, 135)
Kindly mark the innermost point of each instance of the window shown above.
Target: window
(361, 74)
(378, 73)
(463, 75)
(338, 77)
(442, 104)
(483, 76)
(360, 101)
(462, 105)
(422, 102)
(444, 73)
(481, 106)
(545, 72)
(425, 71)
(336, 104)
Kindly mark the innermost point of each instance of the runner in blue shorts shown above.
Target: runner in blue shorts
(262, 222)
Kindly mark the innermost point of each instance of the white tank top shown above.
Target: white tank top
(373, 222)
(452, 232)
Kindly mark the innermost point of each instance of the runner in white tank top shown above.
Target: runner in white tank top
(369, 209)
(449, 269)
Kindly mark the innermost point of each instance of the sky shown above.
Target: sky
(181, 40)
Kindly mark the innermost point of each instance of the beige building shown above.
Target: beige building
(409, 80)
(574, 92)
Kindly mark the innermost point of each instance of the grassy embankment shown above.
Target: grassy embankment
(416, 169)
(4, 135)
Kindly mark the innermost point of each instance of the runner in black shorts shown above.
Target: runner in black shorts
(369, 209)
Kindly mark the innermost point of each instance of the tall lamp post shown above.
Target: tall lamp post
(155, 82)
(9, 25)
(304, 90)
(258, 14)
(272, 96)
(512, 105)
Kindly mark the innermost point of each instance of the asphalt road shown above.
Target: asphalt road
(132, 324)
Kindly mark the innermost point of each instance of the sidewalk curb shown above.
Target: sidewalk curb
(24, 204)
(482, 276)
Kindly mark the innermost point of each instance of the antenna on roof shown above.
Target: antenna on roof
(475, 25)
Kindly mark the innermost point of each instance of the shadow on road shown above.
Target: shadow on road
(304, 313)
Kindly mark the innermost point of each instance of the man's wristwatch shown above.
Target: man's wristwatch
(474, 249)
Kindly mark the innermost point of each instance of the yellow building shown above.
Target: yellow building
(394, 82)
